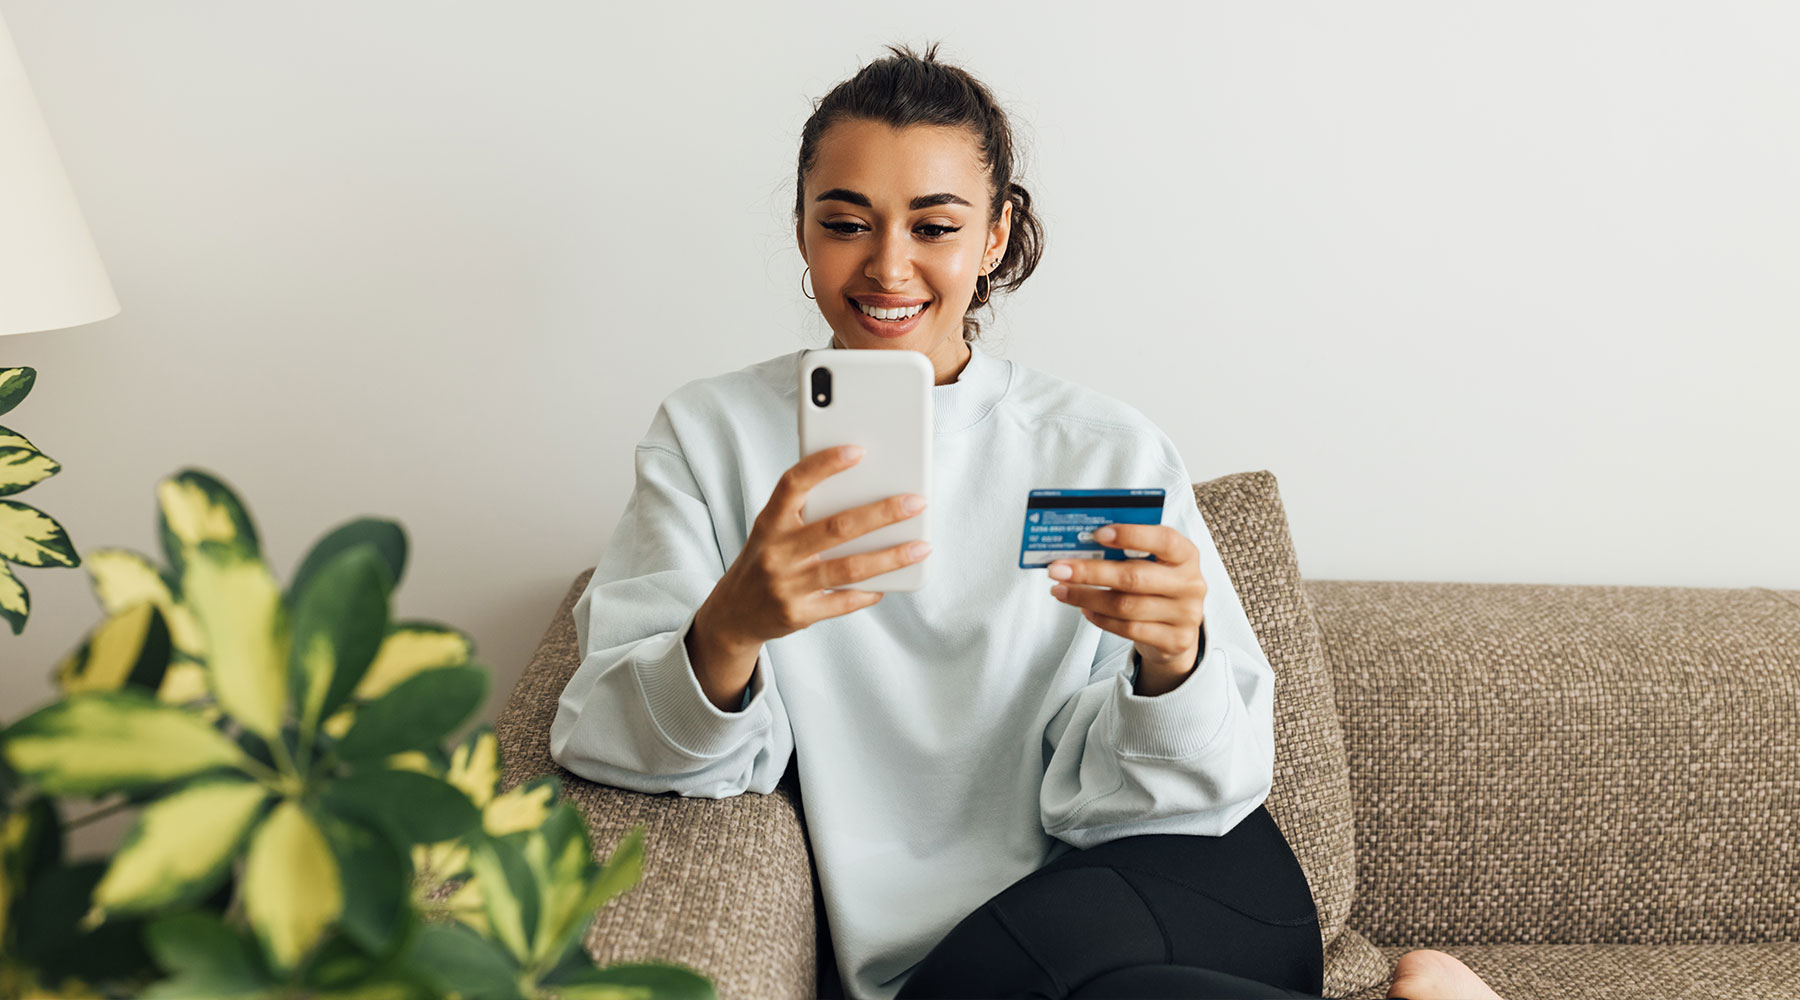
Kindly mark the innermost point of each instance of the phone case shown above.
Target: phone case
(881, 400)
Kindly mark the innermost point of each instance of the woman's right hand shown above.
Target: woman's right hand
(778, 584)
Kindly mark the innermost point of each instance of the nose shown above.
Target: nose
(890, 261)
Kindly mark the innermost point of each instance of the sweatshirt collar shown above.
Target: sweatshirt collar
(965, 402)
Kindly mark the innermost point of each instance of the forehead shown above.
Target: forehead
(893, 165)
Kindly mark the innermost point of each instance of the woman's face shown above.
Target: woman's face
(898, 218)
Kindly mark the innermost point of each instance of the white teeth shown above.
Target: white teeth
(906, 313)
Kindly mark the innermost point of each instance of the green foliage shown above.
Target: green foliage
(28, 536)
(301, 827)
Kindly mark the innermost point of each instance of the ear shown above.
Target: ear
(800, 239)
(997, 239)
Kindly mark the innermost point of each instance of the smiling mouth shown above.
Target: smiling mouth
(903, 319)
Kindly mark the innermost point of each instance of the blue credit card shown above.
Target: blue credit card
(1060, 524)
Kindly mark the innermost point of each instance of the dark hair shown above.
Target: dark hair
(911, 89)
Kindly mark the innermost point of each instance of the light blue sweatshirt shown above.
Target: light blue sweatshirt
(950, 740)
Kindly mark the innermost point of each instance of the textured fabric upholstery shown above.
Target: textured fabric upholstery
(1310, 798)
(1577, 790)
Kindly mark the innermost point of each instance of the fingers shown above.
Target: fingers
(839, 572)
(1177, 564)
(1159, 635)
(1170, 547)
(1126, 606)
(855, 522)
(800, 478)
(1137, 575)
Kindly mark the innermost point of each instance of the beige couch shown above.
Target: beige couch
(1578, 790)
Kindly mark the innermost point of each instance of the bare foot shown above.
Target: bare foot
(1432, 975)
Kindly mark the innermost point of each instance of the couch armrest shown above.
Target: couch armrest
(727, 886)
(1569, 764)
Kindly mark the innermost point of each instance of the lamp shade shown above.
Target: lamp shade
(50, 273)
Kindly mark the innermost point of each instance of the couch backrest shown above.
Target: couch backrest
(1569, 764)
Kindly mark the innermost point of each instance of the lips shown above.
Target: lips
(886, 301)
(888, 328)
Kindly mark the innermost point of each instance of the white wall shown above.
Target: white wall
(1500, 292)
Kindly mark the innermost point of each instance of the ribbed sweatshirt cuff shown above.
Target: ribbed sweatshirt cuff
(1177, 723)
(682, 712)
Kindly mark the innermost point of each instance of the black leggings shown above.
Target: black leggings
(1158, 915)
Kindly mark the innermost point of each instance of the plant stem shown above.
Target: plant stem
(278, 750)
(100, 813)
(258, 770)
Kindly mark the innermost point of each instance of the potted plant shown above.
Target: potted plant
(302, 828)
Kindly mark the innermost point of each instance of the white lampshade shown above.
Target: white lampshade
(50, 273)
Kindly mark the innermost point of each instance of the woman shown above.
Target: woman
(1008, 791)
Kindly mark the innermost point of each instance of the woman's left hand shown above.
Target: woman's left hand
(1158, 605)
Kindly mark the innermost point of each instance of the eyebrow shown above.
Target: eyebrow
(922, 201)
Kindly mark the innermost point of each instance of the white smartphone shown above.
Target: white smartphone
(881, 400)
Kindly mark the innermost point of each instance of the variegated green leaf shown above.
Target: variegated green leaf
(560, 859)
(183, 683)
(475, 765)
(291, 886)
(340, 619)
(191, 987)
(12, 833)
(181, 846)
(239, 608)
(415, 808)
(508, 892)
(621, 871)
(387, 538)
(466, 905)
(375, 876)
(460, 962)
(195, 507)
(131, 647)
(413, 760)
(661, 980)
(600, 991)
(419, 712)
(122, 578)
(30, 537)
(15, 600)
(14, 828)
(409, 648)
(31, 845)
(15, 385)
(22, 468)
(113, 741)
(524, 808)
(379, 986)
(199, 947)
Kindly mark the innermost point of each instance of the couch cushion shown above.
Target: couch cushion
(1566, 764)
(1579, 971)
(726, 883)
(1310, 798)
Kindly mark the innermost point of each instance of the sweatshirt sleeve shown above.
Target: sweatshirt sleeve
(633, 715)
(1193, 760)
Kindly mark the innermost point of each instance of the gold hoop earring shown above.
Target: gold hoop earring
(803, 290)
(982, 293)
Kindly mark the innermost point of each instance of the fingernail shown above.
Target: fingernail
(1059, 571)
(913, 504)
(1059, 590)
(850, 452)
(918, 549)
(1105, 534)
